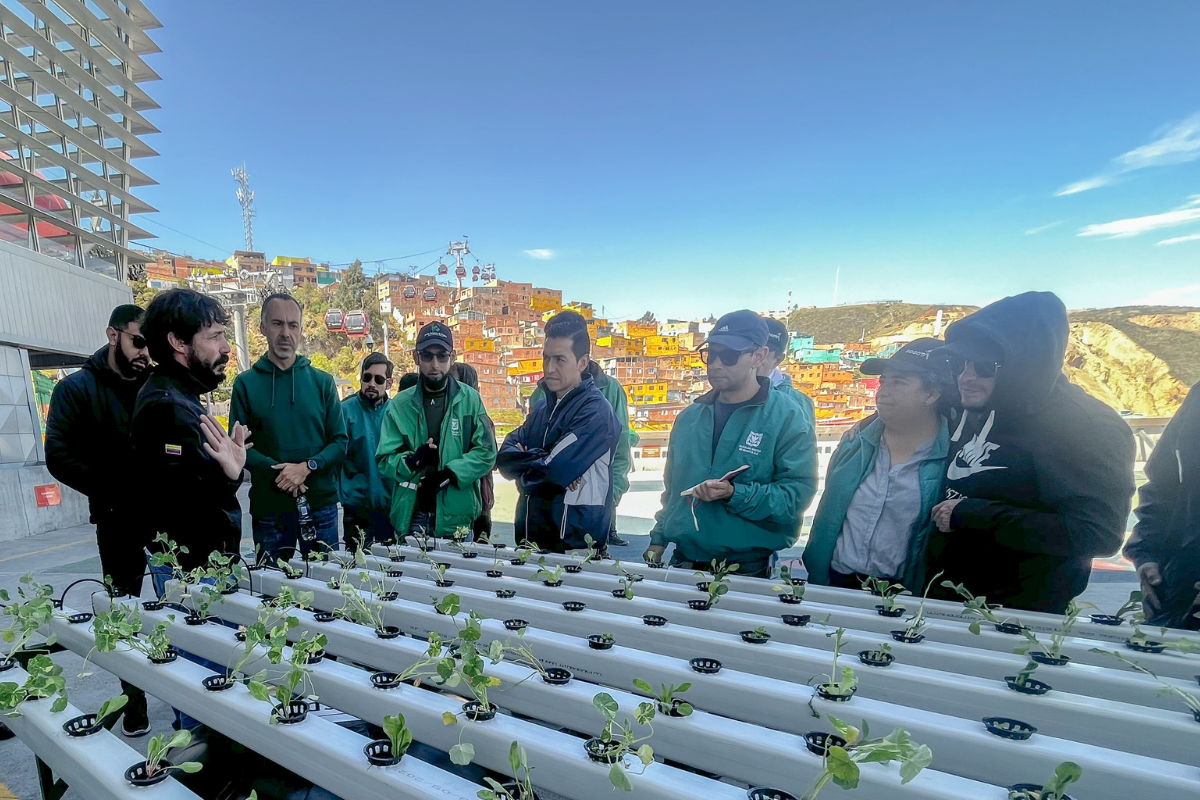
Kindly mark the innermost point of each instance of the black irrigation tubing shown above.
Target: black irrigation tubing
(62, 598)
(246, 564)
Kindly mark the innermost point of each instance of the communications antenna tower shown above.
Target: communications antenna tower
(245, 196)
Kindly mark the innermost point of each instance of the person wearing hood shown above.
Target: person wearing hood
(562, 455)
(295, 419)
(777, 344)
(1165, 545)
(87, 433)
(366, 497)
(873, 520)
(741, 462)
(1040, 478)
(436, 444)
(614, 393)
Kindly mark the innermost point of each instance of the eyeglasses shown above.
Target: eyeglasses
(983, 369)
(428, 356)
(726, 355)
(379, 379)
(138, 340)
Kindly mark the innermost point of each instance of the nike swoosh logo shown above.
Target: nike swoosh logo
(955, 472)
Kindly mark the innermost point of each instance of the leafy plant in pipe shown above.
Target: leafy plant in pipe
(719, 585)
(34, 609)
(1053, 652)
(887, 592)
(551, 576)
(158, 748)
(976, 607)
(788, 589)
(840, 765)
(621, 739)
(845, 682)
(44, 680)
(521, 788)
(1167, 690)
(665, 697)
(1065, 774)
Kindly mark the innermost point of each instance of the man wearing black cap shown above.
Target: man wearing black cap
(435, 444)
(1040, 478)
(777, 343)
(741, 462)
(881, 485)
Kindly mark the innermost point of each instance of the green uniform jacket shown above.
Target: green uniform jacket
(294, 416)
(359, 481)
(852, 462)
(787, 389)
(615, 395)
(772, 436)
(468, 449)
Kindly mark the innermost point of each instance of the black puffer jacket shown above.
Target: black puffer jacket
(1168, 528)
(1045, 470)
(87, 433)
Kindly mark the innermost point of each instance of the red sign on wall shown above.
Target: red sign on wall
(48, 495)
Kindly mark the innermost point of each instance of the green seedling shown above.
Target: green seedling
(842, 682)
(788, 588)
(159, 746)
(841, 764)
(357, 608)
(1065, 774)
(976, 607)
(916, 625)
(34, 609)
(1054, 650)
(719, 585)
(518, 761)
(628, 743)
(548, 574)
(593, 552)
(44, 680)
(666, 696)
(886, 591)
(1167, 690)
(111, 706)
(398, 734)
(880, 653)
(1024, 675)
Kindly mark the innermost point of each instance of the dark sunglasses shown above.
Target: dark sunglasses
(984, 369)
(428, 356)
(379, 379)
(727, 356)
(138, 340)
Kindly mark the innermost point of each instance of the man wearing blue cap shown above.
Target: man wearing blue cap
(741, 463)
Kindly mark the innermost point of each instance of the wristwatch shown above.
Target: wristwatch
(312, 465)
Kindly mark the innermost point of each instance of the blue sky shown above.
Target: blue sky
(691, 158)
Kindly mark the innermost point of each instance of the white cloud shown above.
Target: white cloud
(1125, 228)
(1174, 296)
(1178, 239)
(1179, 144)
(540, 254)
(1040, 228)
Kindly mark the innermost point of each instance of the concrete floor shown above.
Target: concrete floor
(67, 555)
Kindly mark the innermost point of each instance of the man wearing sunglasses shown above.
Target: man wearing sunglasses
(87, 433)
(435, 444)
(366, 497)
(741, 423)
(1040, 477)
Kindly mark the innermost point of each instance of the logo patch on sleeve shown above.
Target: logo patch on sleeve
(174, 450)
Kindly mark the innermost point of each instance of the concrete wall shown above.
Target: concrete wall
(19, 512)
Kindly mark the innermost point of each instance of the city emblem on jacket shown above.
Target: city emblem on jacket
(753, 441)
(454, 426)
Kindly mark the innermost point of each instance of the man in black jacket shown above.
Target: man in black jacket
(1041, 477)
(87, 442)
(87, 448)
(187, 467)
(1165, 545)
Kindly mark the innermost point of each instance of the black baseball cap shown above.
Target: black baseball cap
(973, 346)
(777, 335)
(740, 330)
(922, 355)
(435, 334)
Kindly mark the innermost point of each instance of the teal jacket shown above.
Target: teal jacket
(615, 395)
(467, 448)
(852, 462)
(787, 389)
(359, 481)
(774, 438)
(294, 416)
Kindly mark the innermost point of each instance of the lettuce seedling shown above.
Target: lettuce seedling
(522, 788)
(1065, 774)
(157, 749)
(665, 696)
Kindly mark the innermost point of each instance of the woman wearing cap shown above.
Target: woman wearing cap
(874, 516)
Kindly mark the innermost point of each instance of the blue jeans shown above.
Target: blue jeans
(276, 535)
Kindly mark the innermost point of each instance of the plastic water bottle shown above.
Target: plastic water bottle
(308, 531)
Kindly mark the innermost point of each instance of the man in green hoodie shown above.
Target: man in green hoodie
(436, 444)
(742, 425)
(366, 497)
(299, 437)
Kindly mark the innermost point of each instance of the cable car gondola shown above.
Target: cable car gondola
(474, 273)
(333, 320)
(443, 269)
(356, 324)
(431, 295)
(410, 292)
(460, 272)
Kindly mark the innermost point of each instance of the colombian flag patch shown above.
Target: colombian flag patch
(174, 450)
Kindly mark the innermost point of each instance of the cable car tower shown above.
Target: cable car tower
(457, 250)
